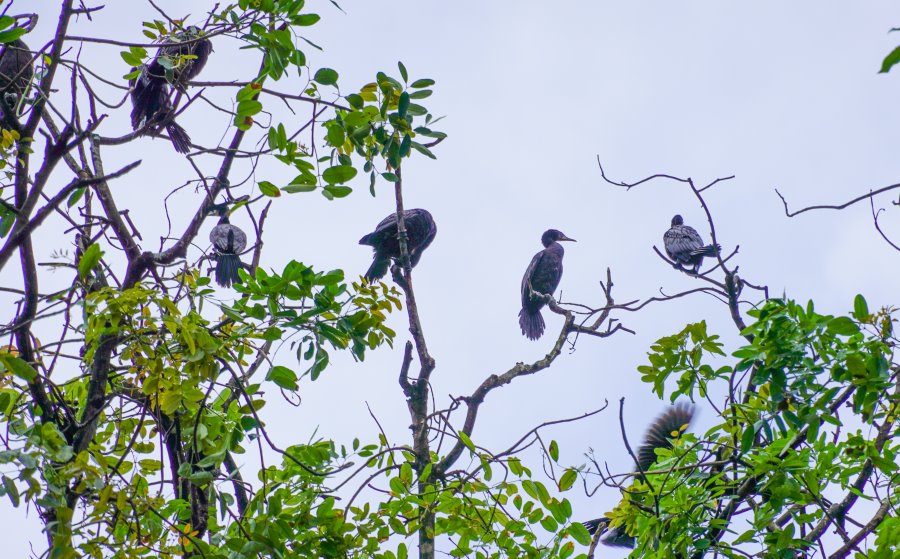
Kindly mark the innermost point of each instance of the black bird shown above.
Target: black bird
(685, 246)
(542, 277)
(228, 243)
(670, 425)
(420, 231)
(176, 63)
(16, 72)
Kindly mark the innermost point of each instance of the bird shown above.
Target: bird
(420, 232)
(685, 246)
(670, 425)
(176, 63)
(228, 243)
(542, 278)
(16, 72)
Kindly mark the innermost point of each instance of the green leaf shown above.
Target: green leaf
(339, 174)
(294, 188)
(549, 524)
(890, 60)
(355, 101)
(89, 259)
(11, 490)
(283, 377)
(419, 84)
(466, 441)
(269, 189)
(336, 191)
(75, 197)
(554, 451)
(18, 366)
(11, 35)
(579, 533)
(305, 20)
(843, 326)
(860, 308)
(748, 437)
(403, 73)
(390, 177)
(568, 479)
(326, 76)
(403, 104)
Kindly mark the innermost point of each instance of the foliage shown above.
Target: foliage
(123, 430)
(786, 446)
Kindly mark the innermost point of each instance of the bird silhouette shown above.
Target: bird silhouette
(670, 425)
(420, 232)
(228, 241)
(177, 62)
(541, 278)
(16, 73)
(685, 246)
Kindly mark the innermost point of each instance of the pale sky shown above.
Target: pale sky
(780, 94)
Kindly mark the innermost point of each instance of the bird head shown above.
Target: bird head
(217, 209)
(677, 220)
(551, 235)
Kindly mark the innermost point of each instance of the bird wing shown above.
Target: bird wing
(670, 425)
(526, 279)
(681, 240)
(219, 237)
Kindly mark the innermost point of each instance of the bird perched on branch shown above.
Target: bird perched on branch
(685, 246)
(420, 232)
(667, 427)
(177, 62)
(16, 72)
(540, 279)
(228, 243)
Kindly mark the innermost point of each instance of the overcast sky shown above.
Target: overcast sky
(780, 94)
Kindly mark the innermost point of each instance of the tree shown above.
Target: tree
(128, 445)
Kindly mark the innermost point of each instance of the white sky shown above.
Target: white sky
(779, 94)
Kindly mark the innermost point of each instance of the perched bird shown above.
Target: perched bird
(16, 72)
(228, 243)
(420, 231)
(670, 425)
(177, 62)
(684, 245)
(542, 277)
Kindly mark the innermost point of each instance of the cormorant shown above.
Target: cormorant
(542, 277)
(685, 246)
(175, 64)
(420, 231)
(228, 243)
(670, 425)
(16, 72)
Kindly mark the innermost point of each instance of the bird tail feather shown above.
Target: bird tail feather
(227, 266)
(532, 324)
(708, 250)
(378, 268)
(179, 137)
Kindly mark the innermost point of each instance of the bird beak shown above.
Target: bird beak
(564, 238)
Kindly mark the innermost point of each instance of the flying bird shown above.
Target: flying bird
(228, 243)
(177, 62)
(685, 246)
(541, 278)
(668, 426)
(16, 72)
(420, 232)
